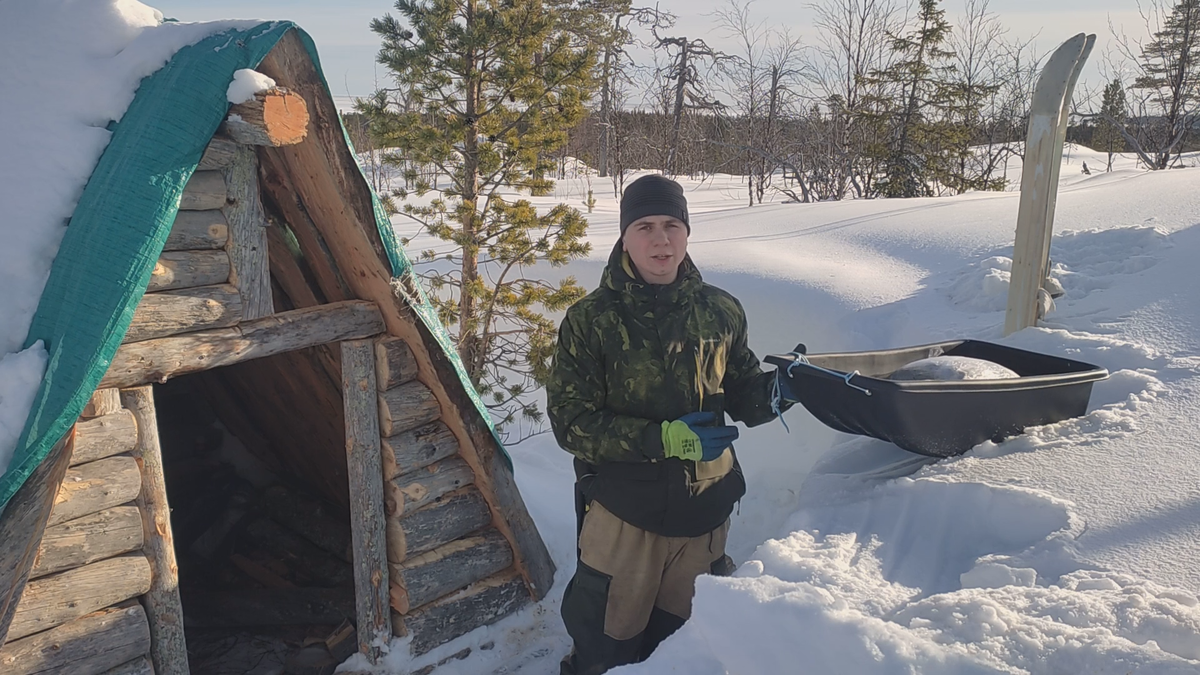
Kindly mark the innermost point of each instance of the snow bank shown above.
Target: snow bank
(246, 83)
(68, 68)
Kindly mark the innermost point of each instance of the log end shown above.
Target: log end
(275, 117)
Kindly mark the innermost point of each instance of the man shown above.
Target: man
(646, 368)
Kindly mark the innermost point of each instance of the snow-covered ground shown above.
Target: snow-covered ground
(1074, 548)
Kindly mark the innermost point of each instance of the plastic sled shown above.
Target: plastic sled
(849, 392)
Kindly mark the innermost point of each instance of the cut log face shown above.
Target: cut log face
(90, 645)
(275, 117)
(411, 491)
(88, 539)
(429, 576)
(160, 359)
(105, 436)
(446, 519)
(417, 449)
(451, 617)
(205, 190)
(406, 407)
(56, 599)
(198, 230)
(185, 311)
(188, 269)
(96, 486)
(394, 363)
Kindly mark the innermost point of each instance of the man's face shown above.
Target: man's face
(656, 245)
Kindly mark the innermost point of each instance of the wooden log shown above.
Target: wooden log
(367, 515)
(90, 645)
(218, 154)
(274, 117)
(85, 540)
(446, 519)
(479, 604)
(105, 436)
(188, 269)
(184, 311)
(311, 565)
(214, 537)
(198, 231)
(259, 572)
(94, 487)
(247, 245)
(406, 407)
(327, 187)
(311, 518)
(268, 607)
(138, 666)
(431, 575)
(411, 491)
(163, 358)
(169, 649)
(417, 448)
(394, 363)
(56, 599)
(103, 402)
(205, 190)
(22, 524)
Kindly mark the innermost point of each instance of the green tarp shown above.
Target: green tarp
(121, 223)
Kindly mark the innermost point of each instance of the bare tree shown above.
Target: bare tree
(688, 85)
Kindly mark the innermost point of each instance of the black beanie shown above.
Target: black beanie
(653, 195)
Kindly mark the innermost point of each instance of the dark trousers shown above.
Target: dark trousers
(632, 589)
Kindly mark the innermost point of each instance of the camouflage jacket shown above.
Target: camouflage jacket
(631, 355)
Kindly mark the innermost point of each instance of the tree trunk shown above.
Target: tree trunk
(677, 114)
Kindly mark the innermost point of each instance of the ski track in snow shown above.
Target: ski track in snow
(1073, 548)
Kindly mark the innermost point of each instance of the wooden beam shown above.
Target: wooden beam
(56, 599)
(85, 540)
(274, 117)
(247, 245)
(90, 645)
(103, 402)
(479, 604)
(138, 666)
(406, 407)
(184, 311)
(417, 448)
(413, 490)
(367, 515)
(395, 363)
(434, 574)
(311, 565)
(188, 269)
(205, 190)
(169, 648)
(22, 527)
(311, 518)
(327, 187)
(105, 436)
(198, 230)
(252, 607)
(218, 154)
(451, 516)
(94, 487)
(163, 358)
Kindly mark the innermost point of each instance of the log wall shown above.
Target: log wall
(80, 611)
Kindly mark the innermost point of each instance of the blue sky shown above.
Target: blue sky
(348, 47)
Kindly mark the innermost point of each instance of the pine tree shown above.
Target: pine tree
(492, 88)
(1108, 136)
(920, 73)
(1170, 65)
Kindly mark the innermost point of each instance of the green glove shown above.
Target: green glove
(694, 437)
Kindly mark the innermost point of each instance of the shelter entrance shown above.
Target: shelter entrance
(255, 466)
